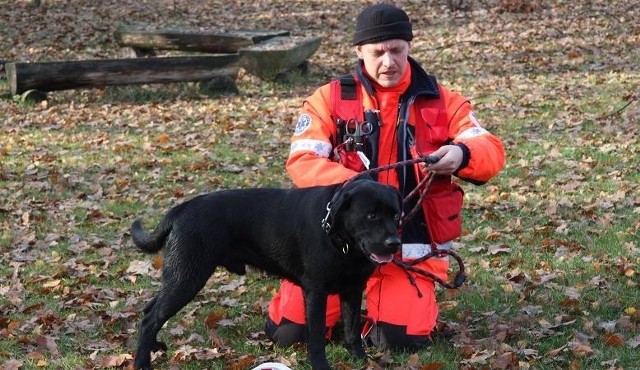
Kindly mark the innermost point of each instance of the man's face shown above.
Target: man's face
(385, 61)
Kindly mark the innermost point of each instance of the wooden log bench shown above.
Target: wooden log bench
(146, 42)
(274, 56)
(263, 53)
(52, 76)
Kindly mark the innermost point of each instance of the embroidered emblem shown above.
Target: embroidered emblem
(303, 124)
(472, 132)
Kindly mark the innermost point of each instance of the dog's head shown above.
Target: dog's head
(367, 213)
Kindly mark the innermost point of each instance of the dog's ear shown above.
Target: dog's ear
(343, 196)
(340, 200)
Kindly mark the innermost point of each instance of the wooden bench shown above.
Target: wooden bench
(265, 54)
(52, 76)
(277, 55)
(145, 42)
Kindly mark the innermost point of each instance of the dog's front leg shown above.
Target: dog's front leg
(350, 305)
(316, 310)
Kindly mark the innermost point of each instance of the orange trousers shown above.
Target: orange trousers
(390, 298)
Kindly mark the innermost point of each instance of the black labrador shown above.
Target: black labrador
(327, 239)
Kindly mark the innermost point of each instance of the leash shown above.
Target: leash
(424, 184)
(409, 267)
(326, 221)
(422, 188)
(458, 280)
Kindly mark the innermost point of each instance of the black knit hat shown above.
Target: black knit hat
(381, 22)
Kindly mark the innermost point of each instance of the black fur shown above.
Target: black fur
(280, 232)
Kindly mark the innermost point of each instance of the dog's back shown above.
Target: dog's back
(263, 227)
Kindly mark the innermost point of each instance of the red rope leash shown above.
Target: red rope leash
(423, 187)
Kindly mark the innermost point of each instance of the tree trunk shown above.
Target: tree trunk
(52, 76)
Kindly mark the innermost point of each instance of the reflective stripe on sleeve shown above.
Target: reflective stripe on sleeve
(319, 147)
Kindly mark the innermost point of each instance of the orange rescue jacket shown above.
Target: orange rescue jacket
(427, 116)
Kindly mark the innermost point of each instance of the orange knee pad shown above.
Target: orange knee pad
(289, 303)
(393, 299)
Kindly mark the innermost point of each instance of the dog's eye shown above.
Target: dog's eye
(372, 216)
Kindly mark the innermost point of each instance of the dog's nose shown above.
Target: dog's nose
(393, 243)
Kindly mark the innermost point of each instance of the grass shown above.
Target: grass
(551, 244)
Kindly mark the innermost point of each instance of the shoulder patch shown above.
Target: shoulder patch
(304, 121)
(472, 132)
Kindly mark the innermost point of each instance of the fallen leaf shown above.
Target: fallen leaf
(12, 364)
(581, 349)
(49, 344)
(614, 340)
(630, 311)
(163, 138)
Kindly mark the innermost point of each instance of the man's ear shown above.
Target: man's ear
(358, 50)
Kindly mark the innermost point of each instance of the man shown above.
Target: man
(389, 110)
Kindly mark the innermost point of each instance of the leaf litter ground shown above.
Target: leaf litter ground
(551, 244)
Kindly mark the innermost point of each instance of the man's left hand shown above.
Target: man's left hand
(450, 159)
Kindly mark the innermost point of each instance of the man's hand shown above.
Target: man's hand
(450, 159)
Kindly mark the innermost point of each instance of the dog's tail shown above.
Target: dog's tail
(150, 242)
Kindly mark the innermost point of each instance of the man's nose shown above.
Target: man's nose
(387, 60)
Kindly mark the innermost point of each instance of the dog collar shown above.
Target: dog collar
(326, 226)
(326, 223)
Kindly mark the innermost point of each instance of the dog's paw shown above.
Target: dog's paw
(358, 352)
(320, 364)
(143, 365)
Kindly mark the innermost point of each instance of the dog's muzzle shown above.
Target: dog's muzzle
(391, 246)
